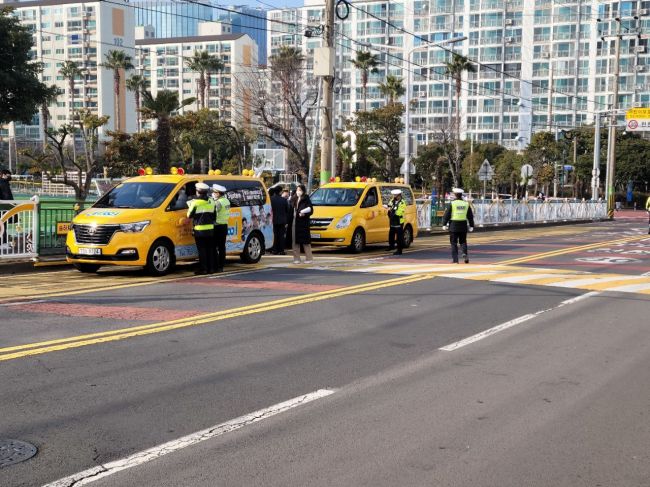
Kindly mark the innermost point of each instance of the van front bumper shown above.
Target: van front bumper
(341, 238)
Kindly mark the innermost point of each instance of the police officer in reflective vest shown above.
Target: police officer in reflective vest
(221, 227)
(458, 220)
(396, 212)
(203, 213)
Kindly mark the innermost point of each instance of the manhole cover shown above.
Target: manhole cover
(15, 451)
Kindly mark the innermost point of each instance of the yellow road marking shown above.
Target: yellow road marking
(28, 290)
(10, 353)
(569, 250)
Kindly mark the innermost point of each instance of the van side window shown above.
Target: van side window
(180, 199)
(385, 194)
(408, 195)
(371, 198)
(242, 193)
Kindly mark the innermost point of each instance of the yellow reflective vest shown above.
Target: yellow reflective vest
(223, 210)
(203, 213)
(459, 209)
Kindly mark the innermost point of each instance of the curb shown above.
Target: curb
(510, 226)
(24, 266)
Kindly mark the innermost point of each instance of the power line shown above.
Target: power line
(482, 65)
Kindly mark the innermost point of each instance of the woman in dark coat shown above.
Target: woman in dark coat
(301, 209)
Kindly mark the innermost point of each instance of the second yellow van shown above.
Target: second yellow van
(353, 214)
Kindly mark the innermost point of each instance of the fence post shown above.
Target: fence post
(36, 232)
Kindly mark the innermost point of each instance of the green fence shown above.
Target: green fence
(54, 218)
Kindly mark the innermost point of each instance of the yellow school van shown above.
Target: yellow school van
(142, 222)
(353, 214)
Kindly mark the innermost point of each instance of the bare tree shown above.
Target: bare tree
(55, 158)
(446, 137)
(282, 103)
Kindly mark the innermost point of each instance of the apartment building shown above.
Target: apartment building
(83, 32)
(542, 64)
(163, 63)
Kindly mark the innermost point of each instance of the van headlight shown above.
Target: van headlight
(344, 222)
(134, 227)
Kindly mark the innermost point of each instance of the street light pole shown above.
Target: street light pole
(327, 82)
(611, 143)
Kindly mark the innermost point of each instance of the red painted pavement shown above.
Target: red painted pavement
(274, 285)
(113, 312)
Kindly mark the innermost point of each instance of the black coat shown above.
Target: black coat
(302, 222)
(280, 208)
(5, 190)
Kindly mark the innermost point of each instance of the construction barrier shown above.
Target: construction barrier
(512, 212)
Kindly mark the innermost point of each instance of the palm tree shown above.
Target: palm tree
(203, 63)
(366, 63)
(392, 88)
(161, 108)
(71, 71)
(117, 61)
(214, 66)
(455, 69)
(51, 96)
(137, 84)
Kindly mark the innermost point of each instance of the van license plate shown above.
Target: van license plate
(89, 251)
(315, 235)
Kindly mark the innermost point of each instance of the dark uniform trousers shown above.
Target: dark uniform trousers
(396, 232)
(205, 246)
(279, 232)
(220, 236)
(455, 238)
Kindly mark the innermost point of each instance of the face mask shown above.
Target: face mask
(299, 193)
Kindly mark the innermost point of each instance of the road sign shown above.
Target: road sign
(402, 169)
(485, 172)
(637, 119)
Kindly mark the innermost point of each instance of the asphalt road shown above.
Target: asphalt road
(551, 390)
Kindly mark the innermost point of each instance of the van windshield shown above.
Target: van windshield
(336, 196)
(136, 195)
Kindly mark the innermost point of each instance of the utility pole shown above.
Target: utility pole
(611, 143)
(327, 83)
(550, 96)
(595, 170)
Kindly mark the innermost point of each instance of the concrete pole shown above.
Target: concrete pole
(407, 122)
(550, 96)
(313, 139)
(595, 171)
(327, 84)
(611, 144)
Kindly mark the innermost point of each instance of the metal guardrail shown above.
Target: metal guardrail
(510, 212)
(18, 229)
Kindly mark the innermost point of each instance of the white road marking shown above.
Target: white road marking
(23, 302)
(140, 458)
(576, 283)
(509, 324)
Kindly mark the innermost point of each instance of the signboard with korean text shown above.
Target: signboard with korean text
(637, 120)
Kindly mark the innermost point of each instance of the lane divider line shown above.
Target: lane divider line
(110, 287)
(101, 471)
(569, 250)
(19, 351)
(509, 324)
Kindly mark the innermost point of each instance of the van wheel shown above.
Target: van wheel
(87, 268)
(253, 249)
(408, 236)
(358, 242)
(160, 259)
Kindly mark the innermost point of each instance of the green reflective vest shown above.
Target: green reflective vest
(459, 209)
(647, 204)
(223, 210)
(203, 213)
